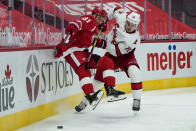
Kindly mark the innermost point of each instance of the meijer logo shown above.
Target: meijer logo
(172, 60)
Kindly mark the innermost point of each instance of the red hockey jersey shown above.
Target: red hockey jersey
(83, 38)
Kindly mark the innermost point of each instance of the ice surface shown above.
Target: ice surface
(161, 110)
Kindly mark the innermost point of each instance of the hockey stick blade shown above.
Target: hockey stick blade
(113, 99)
(100, 96)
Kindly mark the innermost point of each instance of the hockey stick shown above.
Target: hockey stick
(94, 44)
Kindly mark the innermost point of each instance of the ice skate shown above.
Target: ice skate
(114, 95)
(136, 105)
(82, 105)
(94, 98)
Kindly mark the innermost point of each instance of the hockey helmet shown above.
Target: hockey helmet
(100, 12)
(134, 18)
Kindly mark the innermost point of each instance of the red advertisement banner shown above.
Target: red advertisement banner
(157, 20)
(21, 30)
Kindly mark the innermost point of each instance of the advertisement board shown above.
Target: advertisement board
(32, 78)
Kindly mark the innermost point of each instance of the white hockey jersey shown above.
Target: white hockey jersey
(119, 42)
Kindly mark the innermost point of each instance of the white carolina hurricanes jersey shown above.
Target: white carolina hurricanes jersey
(118, 41)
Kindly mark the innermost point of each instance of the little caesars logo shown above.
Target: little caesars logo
(7, 92)
(32, 78)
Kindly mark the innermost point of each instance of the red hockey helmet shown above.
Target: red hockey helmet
(100, 12)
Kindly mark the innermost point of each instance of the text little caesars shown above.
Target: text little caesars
(171, 60)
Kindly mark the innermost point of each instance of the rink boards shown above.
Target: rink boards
(34, 85)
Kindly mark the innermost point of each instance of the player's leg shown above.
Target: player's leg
(86, 84)
(131, 68)
(77, 60)
(96, 85)
(105, 73)
(83, 104)
(136, 85)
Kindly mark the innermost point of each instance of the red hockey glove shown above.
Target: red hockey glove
(92, 64)
(101, 43)
(103, 26)
(71, 28)
(59, 52)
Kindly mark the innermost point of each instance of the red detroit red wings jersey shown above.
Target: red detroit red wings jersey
(87, 28)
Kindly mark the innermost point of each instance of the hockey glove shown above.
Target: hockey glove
(103, 26)
(96, 58)
(101, 43)
(58, 50)
(71, 28)
(93, 62)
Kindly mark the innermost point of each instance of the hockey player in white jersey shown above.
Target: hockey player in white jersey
(120, 47)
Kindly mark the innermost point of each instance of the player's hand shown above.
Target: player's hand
(96, 58)
(58, 50)
(101, 43)
(103, 26)
(71, 29)
(92, 64)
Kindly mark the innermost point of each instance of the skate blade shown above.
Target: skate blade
(95, 103)
(136, 113)
(113, 99)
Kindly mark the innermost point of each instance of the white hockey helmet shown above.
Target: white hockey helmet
(134, 18)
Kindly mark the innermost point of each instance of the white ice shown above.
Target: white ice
(161, 110)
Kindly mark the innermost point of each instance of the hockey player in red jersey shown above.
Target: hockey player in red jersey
(121, 44)
(79, 37)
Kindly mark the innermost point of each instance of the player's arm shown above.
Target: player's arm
(116, 13)
(119, 15)
(71, 29)
(76, 26)
(111, 12)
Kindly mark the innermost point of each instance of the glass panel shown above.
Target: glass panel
(183, 19)
(74, 9)
(47, 23)
(46, 32)
(20, 28)
(51, 15)
(157, 18)
(136, 6)
(4, 23)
